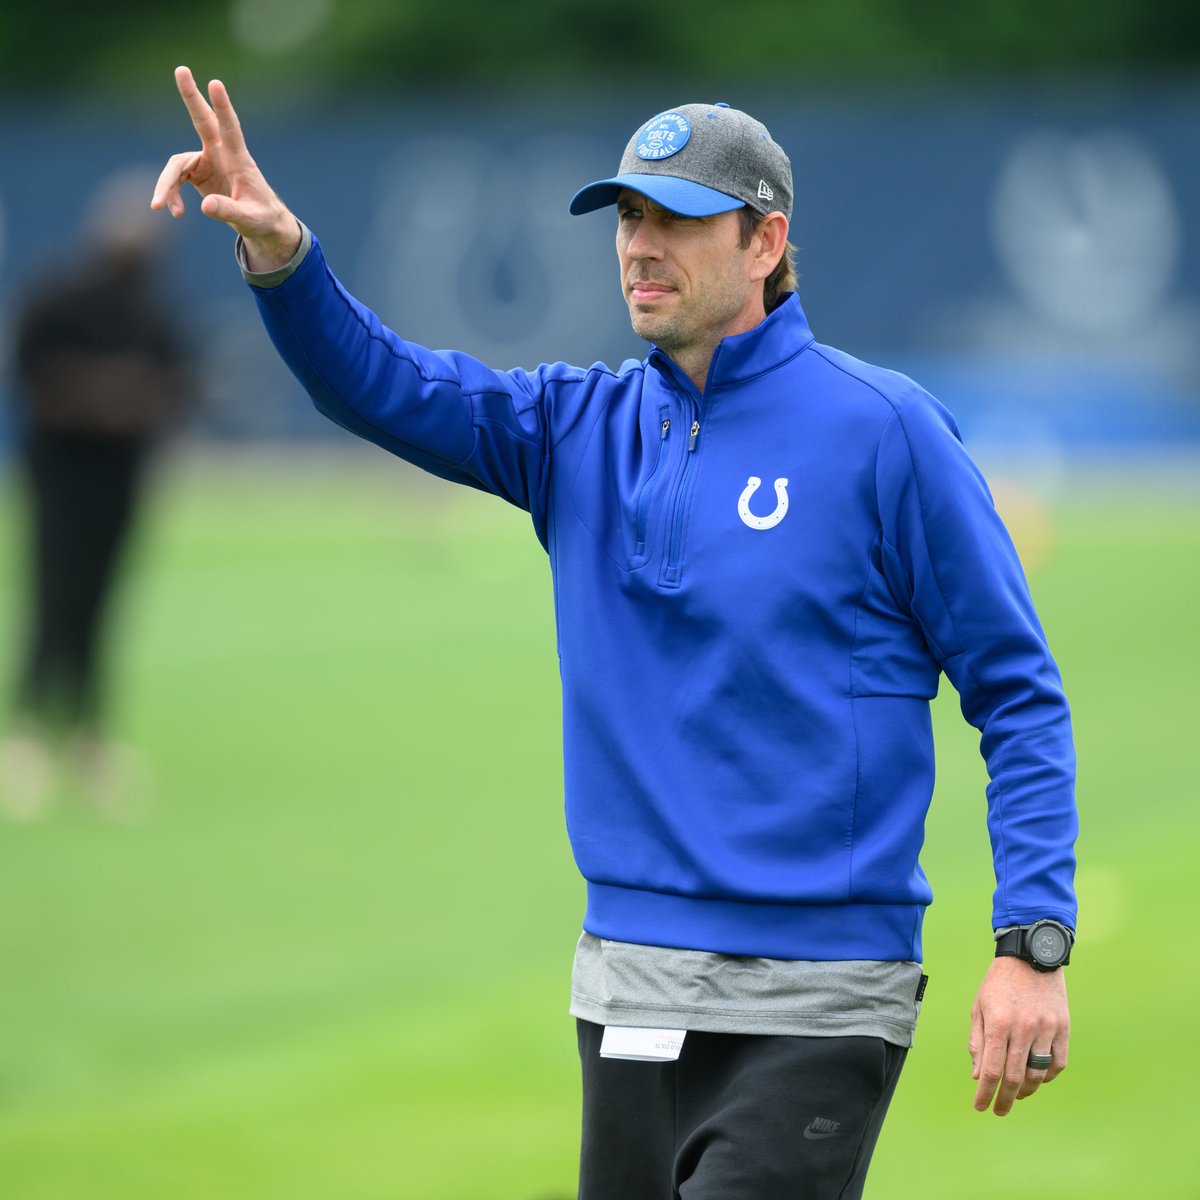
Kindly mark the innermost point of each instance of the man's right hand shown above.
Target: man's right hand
(228, 179)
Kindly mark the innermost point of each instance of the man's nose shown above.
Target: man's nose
(646, 241)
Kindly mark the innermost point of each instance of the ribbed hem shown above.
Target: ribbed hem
(820, 932)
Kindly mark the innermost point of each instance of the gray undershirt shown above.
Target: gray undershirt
(619, 983)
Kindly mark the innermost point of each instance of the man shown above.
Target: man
(746, 671)
(102, 377)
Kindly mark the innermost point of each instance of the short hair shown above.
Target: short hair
(781, 280)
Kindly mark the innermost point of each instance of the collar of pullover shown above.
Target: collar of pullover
(774, 341)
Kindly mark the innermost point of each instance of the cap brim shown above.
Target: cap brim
(681, 196)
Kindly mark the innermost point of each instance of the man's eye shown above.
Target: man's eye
(627, 214)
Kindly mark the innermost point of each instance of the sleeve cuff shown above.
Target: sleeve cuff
(272, 279)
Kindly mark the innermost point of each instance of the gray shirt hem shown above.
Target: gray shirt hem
(620, 983)
(742, 1021)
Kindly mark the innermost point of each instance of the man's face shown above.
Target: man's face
(687, 280)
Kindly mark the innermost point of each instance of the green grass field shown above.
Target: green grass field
(332, 963)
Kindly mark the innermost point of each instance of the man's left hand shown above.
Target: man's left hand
(1017, 1011)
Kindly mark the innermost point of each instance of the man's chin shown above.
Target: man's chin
(653, 327)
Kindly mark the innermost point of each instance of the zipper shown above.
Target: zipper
(672, 568)
(647, 492)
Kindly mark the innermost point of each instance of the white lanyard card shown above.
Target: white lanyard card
(641, 1045)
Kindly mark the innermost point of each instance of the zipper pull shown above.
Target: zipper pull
(693, 435)
(666, 427)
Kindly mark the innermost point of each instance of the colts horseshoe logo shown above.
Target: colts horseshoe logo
(771, 519)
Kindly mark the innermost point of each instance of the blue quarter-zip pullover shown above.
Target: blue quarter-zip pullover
(756, 590)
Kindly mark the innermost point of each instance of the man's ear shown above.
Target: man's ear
(768, 244)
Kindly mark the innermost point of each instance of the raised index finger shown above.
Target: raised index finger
(227, 119)
(203, 117)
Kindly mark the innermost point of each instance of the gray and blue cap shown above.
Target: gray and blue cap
(699, 160)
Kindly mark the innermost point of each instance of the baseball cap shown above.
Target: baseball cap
(699, 160)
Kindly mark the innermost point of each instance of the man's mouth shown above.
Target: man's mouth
(644, 290)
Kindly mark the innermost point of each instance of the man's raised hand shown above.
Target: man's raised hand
(222, 171)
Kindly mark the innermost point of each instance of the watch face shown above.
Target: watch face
(1048, 945)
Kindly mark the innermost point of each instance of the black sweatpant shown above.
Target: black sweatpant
(82, 494)
(737, 1117)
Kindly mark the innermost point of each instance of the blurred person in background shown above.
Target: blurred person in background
(101, 377)
(746, 675)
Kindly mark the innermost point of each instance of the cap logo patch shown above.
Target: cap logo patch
(764, 192)
(663, 136)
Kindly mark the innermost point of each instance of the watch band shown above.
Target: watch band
(1008, 943)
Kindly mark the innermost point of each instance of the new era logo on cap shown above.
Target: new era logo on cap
(764, 191)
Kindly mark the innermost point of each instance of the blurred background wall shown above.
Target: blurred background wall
(996, 198)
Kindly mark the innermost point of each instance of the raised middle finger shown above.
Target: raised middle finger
(227, 119)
